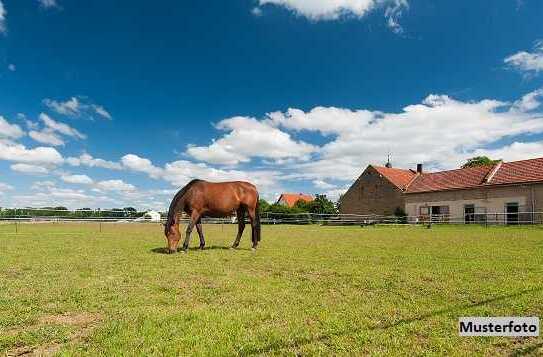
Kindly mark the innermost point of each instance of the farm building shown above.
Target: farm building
(290, 199)
(152, 216)
(505, 188)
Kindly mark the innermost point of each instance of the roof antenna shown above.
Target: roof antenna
(388, 164)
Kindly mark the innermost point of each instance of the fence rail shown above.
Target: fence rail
(487, 218)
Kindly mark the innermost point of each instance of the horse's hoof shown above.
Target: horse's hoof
(202, 247)
(233, 248)
(184, 251)
(253, 249)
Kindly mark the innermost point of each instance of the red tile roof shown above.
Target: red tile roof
(505, 173)
(399, 177)
(450, 180)
(291, 198)
(519, 172)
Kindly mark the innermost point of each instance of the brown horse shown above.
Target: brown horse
(209, 199)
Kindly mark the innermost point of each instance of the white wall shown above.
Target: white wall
(456, 207)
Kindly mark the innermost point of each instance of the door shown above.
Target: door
(511, 210)
(469, 214)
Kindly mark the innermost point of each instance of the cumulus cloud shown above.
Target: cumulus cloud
(115, 185)
(139, 164)
(59, 127)
(50, 133)
(9, 131)
(247, 138)
(528, 62)
(440, 131)
(46, 137)
(77, 107)
(316, 10)
(41, 185)
(89, 161)
(38, 155)
(29, 169)
(5, 187)
(529, 101)
(77, 179)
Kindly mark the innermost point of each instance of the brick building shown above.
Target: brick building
(506, 189)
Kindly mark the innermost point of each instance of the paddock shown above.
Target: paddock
(309, 289)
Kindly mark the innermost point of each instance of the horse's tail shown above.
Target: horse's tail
(257, 219)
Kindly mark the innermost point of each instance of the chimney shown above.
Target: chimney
(419, 168)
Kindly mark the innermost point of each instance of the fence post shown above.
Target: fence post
(100, 226)
(16, 227)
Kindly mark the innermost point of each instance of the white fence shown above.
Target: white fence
(116, 216)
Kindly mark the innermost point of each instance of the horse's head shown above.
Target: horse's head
(173, 236)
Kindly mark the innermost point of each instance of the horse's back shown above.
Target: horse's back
(227, 196)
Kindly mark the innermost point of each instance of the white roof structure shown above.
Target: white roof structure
(152, 216)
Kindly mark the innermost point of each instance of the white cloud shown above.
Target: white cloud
(528, 61)
(115, 185)
(323, 185)
(5, 187)
(440, 131)
(77, 179)
(9, 131)
(335, 193)
(29, 169)
(335, 9)
(19, 153)
(247, 138)
(62, 128)
(139, 164)
(3, 14)
(47, 4)
(513, 152)
(46, 137)
(12, 67)
(529, 101)
(77, 107)
(42, 185)
(87, 160)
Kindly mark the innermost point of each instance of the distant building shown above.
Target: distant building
(504, 188)
(290, 199)
(152, 216)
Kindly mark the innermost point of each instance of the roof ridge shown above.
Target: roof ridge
(417, 174)
(492, 173)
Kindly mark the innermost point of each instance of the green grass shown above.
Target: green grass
(69, 289)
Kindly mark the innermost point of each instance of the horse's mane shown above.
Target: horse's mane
(171, 212)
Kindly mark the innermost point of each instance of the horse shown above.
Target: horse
(201, 198)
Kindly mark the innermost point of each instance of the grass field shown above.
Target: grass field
(69, 289)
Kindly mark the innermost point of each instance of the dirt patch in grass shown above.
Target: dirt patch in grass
(83, 323)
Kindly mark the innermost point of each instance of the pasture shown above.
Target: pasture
(70, 289)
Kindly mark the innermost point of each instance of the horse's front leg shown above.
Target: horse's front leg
(195, 217)
(201, 234)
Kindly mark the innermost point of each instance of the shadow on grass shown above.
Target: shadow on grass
(531, 350)
(164, 250)
(279, 345)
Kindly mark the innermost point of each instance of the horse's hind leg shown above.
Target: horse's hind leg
(241, 226)
(252, 219)
(201, 234)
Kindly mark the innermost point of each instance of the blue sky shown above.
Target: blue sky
(115, 103)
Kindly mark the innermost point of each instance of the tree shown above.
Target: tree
(320, 204)
(479, 161)
(264, 206)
